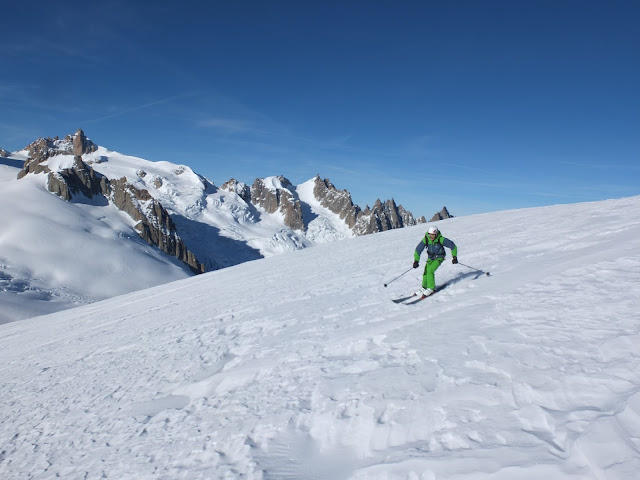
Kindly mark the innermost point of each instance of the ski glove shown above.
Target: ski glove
(415, 264)
(454, 260)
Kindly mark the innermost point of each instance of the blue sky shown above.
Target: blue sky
(476, 105)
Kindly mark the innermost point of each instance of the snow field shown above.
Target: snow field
(299, 366)
(101, 256)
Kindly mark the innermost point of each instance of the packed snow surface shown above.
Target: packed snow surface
(299, 366)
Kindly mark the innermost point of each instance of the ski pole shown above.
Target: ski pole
(481, 271)
(398, 277)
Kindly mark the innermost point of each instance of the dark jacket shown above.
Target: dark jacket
(435, 248)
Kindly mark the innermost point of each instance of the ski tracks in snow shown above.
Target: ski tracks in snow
(260, 372)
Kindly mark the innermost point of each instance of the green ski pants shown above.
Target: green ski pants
(429, 278)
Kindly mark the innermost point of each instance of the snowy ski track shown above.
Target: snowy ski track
(299, 366)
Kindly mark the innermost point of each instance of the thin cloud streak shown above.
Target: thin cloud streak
(140, 107)
(606, 166)
(235, 126)
(227, 125)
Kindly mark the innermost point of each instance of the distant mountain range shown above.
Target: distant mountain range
(168, 201)
(185, 215)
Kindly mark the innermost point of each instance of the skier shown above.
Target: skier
(435, 243)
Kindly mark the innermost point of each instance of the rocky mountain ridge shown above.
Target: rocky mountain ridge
(278, 194)
(153, 222)
(187, 216)
(383, 216)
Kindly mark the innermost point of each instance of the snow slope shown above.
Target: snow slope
(299, 366)
(56, 255)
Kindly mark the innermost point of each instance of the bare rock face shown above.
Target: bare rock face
(81, 144)
(382, 217)
(338, 201)
(265, 197)
(441, 215)
(240, 188)
(155, 225)
(44, 148)
(279, 196)
(4, 153)
(39, 151)
(79, 179)
(408, 218)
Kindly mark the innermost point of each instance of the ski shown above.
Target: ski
(418, 300)
(403, 299)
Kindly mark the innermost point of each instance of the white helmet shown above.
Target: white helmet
(433, 229)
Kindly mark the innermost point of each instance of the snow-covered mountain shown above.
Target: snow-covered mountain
(300, 367)
(167, 205)
(56, 254)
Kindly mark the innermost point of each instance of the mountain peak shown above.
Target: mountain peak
(239, 188)
(180, 213)
(81, 144)
(441, 215)
(276, 194)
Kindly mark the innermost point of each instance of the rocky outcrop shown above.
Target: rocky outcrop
(4, 153)
(79, 179)
(382, 217)
(44, 148)
(276, 194)
(337, 201)
(441, 215)
(81, 144)
(239, 188)
(39, 151)
(154, 223)
(408, 218)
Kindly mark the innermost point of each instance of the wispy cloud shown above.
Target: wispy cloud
(125, 111)
(256, 127)
(36, 50)
(227, 125)
(603, 165)
(341, 141)
(263, 127)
